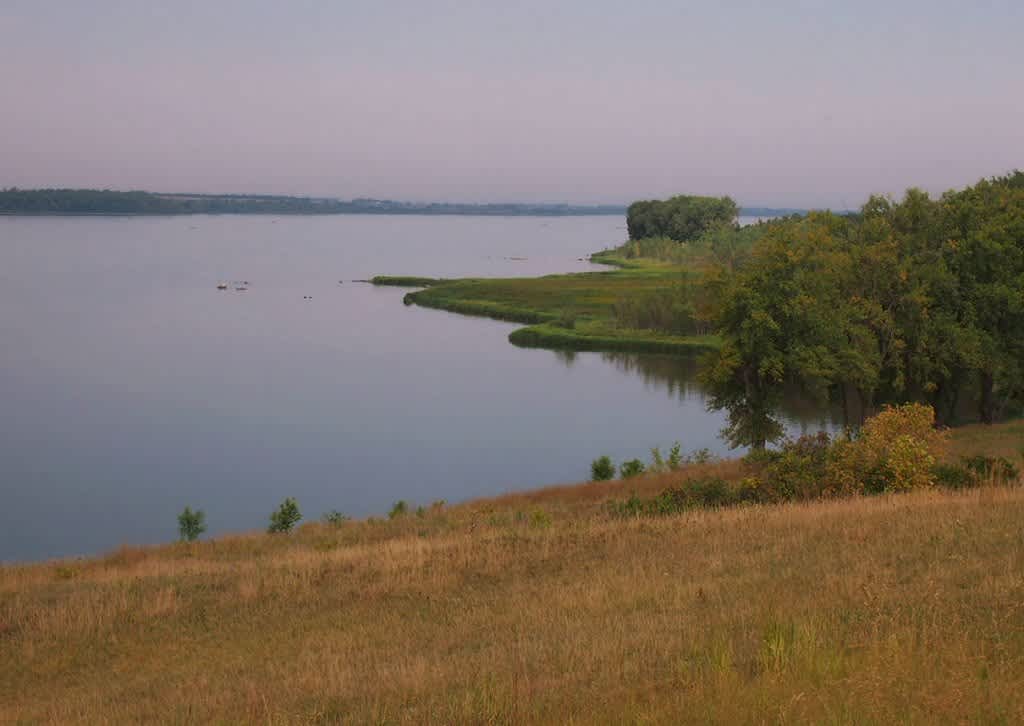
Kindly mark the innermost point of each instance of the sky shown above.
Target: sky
(797, 103)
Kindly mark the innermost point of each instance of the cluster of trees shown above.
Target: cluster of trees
(920, 300)
(95, 201)
(682, 218)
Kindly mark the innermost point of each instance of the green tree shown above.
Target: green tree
(285, 517)
(602, 469)
(682, 218)
(191, 524)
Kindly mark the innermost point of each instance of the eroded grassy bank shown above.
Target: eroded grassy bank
(541, 608)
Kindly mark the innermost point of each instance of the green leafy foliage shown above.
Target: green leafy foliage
(631, 468)
(919, 300)
(952, 476)
(680, 218)
(285, 517)
(336, 518)
(991, 467)
(675, 456)
(398, 509)
(602, 469)
(191, 524)
(705, 492)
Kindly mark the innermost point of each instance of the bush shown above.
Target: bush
(708, 492)
(675, 456)
(797, 471)
(602, 469)
(990, 467)
(632, 507)
(285, 518)
(670, 501)
(751, 490)
(711, 492)
(335, 517)
(631, 468)
(701, 456)
(191, 524)
(952, 476)
(896, 450)
(398, 509)
(657, 461)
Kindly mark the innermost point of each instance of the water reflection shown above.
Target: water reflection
(678, 376)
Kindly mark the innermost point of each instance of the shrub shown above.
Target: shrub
(706, 492)
(751, 490)
(191, 524)
(657, 462)
(798, 470)
(989, 467)
(711, 492)
(602, 469)
(632, 507)
(398, 509)
(701, 456)
(896, 450)
(285, 517)
(669, 501)
(335, 517)
(952, 476)
(631, 468)
(675, 456)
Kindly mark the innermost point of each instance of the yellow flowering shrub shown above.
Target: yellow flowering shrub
(896, 450)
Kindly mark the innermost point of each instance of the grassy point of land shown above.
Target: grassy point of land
(572, 311)
(540, 607)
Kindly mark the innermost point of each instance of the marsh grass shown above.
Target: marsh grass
(571, 312)
(538, 607)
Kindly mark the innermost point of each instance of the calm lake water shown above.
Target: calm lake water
(131, 387)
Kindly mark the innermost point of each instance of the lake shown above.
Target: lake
(130, 386)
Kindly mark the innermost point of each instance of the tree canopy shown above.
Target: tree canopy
(681, 218)
(917, 300)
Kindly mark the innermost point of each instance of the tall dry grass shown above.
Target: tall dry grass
(904, 608)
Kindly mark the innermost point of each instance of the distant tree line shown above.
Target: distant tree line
(93, 201)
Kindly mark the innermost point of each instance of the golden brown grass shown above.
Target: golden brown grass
(1005, 440)
(904, 608)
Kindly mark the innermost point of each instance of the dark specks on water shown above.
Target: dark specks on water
(131, 387)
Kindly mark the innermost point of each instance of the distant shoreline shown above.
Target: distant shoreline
(388, 213)
(106, 203)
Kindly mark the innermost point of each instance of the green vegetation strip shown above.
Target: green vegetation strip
(568, 312)
(405, 281)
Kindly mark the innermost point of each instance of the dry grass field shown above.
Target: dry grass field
(541, 608)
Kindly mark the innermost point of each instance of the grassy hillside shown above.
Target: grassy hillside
(571, 311)
(542, 608)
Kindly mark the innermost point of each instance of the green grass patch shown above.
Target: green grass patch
(405, 281)
(570, 311)
(632, 341)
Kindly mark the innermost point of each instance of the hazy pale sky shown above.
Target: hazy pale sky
(791, 102)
